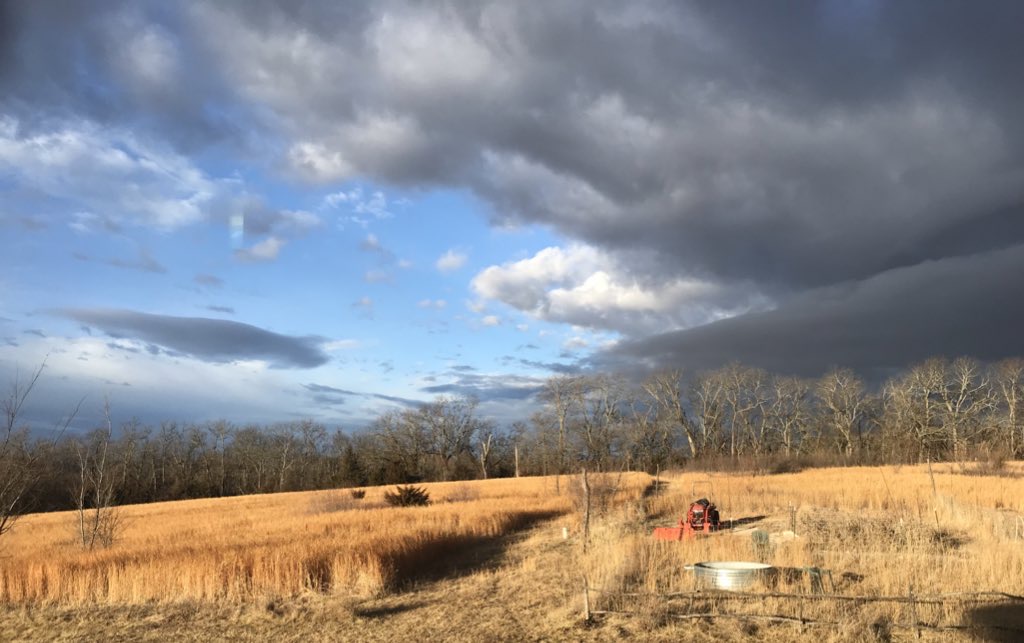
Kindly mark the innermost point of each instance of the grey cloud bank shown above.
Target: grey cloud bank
(964, 306)
(844, 180)
(215, 340)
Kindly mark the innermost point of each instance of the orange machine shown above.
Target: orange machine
(701, 518)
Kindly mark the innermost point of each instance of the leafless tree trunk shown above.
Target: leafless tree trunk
(744, 400)
(665, 390)
(842, 394)
(485, 453)
(965, 397)
(706, 399)
(450, 424)
(1009, 376)
(789, 412)
(649, 433)
(220, 431)
(598, 400)
(913, 409)
(19, 461)
(98, 518)
(557, 396)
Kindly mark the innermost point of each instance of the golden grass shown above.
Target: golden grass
(876, 525)
(282, 544)
(880, 530)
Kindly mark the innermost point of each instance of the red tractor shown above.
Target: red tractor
(701, 518)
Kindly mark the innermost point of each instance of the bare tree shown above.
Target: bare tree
(665, 390)
(98, 518)
(966, 397)
(284, 445)
(913, 411)
(449, 424)
(1009, 379)
(220, 431)
(16, 471)
(744, 398)
(598, 401)
(485, 452)
(19, 461)
(557, 396)
(706, 398)
(845, 404)
(789, 412)
(649, 434)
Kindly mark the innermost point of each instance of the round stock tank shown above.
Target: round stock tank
(729, 574)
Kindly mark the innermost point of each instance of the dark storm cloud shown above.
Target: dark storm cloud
(962, 306)
(825, 149)
(213, 340)
(130, 62)
(798, 148)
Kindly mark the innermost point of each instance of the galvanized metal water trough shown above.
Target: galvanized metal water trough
(730, 574)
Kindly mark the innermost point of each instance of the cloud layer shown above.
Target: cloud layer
(787, 186)
(213, 340)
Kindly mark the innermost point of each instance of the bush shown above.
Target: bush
(788, 465)
(358, 494)
(407, 497)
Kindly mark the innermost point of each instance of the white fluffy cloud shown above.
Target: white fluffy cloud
(451, 261)
(112, 179)
(584, 286)
(108, 172)
(266, 250)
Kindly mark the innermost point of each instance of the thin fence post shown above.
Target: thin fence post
(586, 600)
(800, 613)
(913, 612)
(586, 511)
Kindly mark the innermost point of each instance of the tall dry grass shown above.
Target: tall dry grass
(880, 530)
(270, 545)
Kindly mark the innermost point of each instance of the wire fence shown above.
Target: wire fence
(963, 611)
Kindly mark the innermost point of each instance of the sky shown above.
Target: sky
(270, 210)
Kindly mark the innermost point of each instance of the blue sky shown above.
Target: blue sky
(267, 210)
(380, 278)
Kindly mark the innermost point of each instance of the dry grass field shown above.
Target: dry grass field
(251, 547)
(488, 562)
(880, 531)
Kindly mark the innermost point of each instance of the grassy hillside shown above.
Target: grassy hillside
(488, 560)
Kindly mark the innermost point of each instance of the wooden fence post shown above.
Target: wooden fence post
(586, 511)
(586, 600)
(913, 611)
(800, 613)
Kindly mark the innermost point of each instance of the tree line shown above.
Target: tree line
(940, 409)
